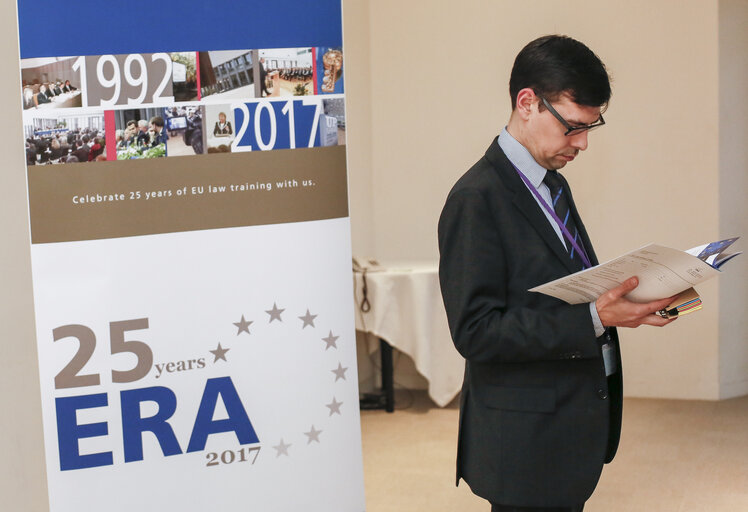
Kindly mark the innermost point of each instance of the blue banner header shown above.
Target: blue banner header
(48, 28)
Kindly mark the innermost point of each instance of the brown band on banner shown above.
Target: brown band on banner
(99, 200)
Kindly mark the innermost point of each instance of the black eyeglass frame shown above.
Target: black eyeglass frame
(571, 130)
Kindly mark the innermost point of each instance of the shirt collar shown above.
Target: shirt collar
(521, 158)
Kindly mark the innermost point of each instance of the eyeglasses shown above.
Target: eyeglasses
(571, 130)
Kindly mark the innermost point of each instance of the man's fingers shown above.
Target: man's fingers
(656, 320)
(624, 288)
(657, 305)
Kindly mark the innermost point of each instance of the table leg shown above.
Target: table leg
(388, 385)
(384, 399)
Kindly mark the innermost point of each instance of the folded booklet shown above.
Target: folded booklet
(662, 272)
(686, 302)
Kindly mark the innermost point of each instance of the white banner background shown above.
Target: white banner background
(193, 287)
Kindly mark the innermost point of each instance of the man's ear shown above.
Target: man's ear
(526, 98)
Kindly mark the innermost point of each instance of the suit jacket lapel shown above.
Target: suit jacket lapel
(528, 206)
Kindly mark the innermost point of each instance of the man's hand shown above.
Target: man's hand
(616, 311)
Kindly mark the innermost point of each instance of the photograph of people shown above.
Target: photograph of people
(228, 74)
(287, 72)
(329, 70)
(156, 132)
(142, 137)
(68, 139)
(263, 78)
(220, 119)
(144, 133)
(48, 83)
(43, 96)
(223, 127)
(68, 87)
(185, 130)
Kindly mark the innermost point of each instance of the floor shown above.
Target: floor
(675, 456)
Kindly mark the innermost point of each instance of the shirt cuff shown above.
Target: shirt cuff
(596, 323)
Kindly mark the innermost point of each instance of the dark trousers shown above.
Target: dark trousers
(510, 508)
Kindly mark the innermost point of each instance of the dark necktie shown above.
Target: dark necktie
(562, 209)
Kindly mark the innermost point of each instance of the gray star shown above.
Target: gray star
(330, 340)
(219, 353)
(340, 372)
(334, 406)
(308, 319)
(275, 313)
(243, 326)
(313, 435)
(281, 449)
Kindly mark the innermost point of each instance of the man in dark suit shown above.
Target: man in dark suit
(263, 78)
(156, 128)
(43, 96)
(82, 151)
(541, 403)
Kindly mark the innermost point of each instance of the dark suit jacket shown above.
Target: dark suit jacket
(143, 138)
(161, 137)
(82, 153)
(42, 97)
(538, 417)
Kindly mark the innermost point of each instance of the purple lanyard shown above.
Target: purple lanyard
(582, 253)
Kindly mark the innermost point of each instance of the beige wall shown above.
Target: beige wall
(22, 472)
(733, 192)
(358, 115)
(437, 95)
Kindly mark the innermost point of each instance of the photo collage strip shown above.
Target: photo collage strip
(128, 107)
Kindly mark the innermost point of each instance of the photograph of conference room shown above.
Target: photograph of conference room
(140, 133)
(227, 74)
(184, 125)
(220, 128)
(50, 82)
(286, 72)
(184, 75)
(65, 139)
(329, 70)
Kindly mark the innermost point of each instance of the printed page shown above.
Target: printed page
(662, 272)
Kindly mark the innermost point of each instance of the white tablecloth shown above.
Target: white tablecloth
(407, 312)
(65, 100)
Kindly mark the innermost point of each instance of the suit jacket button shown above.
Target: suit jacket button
(602, 394)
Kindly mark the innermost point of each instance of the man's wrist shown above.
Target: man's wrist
(596, 322)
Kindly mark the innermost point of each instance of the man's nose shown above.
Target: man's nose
(579, 140)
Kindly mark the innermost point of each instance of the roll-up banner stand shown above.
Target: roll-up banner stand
(190, 252)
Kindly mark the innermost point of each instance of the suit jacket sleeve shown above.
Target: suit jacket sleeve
(492, 316)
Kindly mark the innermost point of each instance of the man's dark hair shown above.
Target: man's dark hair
(158, 121)
(553, 65)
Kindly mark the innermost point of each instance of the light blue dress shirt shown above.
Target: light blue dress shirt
(523, 160)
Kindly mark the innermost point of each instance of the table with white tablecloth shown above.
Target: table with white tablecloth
(64, 100)
(406, 310)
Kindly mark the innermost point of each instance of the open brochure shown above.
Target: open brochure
(662, 272)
